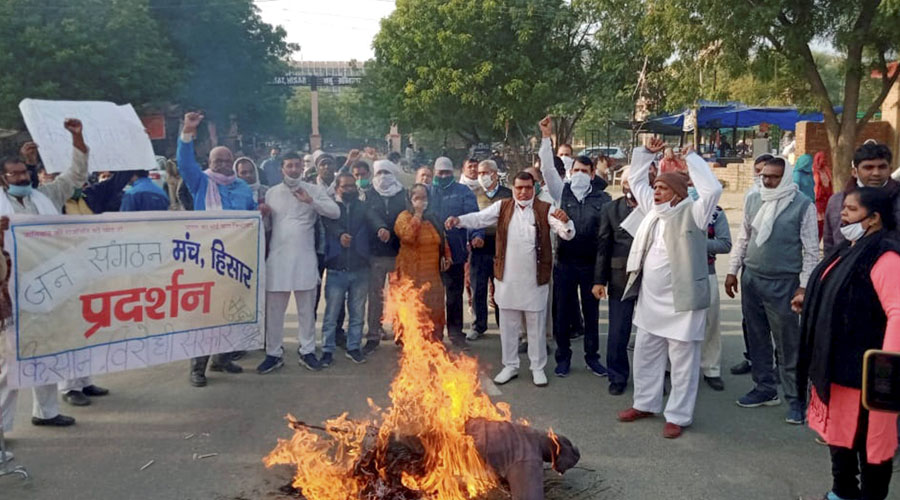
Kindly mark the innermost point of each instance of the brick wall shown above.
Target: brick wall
(736, 177)
(812, 138)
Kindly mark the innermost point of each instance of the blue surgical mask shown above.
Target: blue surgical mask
(692, 192)
(20, 191)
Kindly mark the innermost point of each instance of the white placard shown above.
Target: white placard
(114, 134)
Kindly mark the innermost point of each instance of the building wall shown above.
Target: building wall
(736, 177)
(812, 137)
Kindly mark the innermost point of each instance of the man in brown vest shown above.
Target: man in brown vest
(522, 266)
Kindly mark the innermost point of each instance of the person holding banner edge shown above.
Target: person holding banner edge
(217, 188)
(20, 197)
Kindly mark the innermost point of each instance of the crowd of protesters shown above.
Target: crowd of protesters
(544, 253)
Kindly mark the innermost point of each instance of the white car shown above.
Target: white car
(159, 174)
(613, 152)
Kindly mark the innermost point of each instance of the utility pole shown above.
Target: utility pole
(315, 139)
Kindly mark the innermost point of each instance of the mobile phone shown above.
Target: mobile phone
(881, 381)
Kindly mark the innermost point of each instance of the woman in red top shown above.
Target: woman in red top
(851, 305)
(824, 186)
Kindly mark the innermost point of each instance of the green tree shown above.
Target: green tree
(94, 49)
(476, 67)
(707, 34)
(228, 55)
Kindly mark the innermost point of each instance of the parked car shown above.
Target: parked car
(613, 152)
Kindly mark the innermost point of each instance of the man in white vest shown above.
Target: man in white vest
(20, 198)
(668, 272)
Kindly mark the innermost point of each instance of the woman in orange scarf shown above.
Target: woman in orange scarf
(423, 254)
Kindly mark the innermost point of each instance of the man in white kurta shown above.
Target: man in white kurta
(664, 333)
(292, 266)
(517, 293)
(18, 197)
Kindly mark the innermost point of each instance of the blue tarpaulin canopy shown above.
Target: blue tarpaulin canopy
(712, 115)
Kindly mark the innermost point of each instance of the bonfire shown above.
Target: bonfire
(417, 447)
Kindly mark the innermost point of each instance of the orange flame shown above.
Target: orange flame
(432, 397)
(555, 440)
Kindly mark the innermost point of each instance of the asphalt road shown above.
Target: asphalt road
(154, 414)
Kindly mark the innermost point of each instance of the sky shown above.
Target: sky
(328, 30)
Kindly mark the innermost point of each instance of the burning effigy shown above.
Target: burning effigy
(441, 438)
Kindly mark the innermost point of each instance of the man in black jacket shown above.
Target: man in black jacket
(610, 278)
(384, 202)
(347, 266)
(583, 199)
(481, 258)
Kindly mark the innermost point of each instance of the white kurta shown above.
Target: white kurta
(518, 289)
(655, 309)
(292, 263)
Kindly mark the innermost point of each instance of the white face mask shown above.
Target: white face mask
(567, 162)
(486, 181)
(581, 183)
(853, 232)
(664, 208)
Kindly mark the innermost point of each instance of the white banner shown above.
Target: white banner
(114, 134)
(104, 293)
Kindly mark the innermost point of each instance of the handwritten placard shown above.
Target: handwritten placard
(114, 134)
(119, 291)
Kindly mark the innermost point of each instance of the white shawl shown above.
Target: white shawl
(774, 201)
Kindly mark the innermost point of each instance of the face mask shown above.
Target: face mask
(663, 209)
(537, 190)
(363, 183)
(853, 232)
(442, 182)
(291, 182)
(486, 181)
(20, 191)
(692, 192)
(567, 162)
(349, 196)
(581, 183)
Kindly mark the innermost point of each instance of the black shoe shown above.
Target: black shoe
(327, 360)
(741, 368)
(228, 367)
(198, 379)
(371, 346)
(236, 355)
(523, 347)
(460, 345)
(616, 389)
(57, 421)
(356, 356)
(716, 383)
(95, 391)
(76, 398)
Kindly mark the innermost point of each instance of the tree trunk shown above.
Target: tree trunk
(842, 148)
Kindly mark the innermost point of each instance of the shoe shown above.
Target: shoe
(506, 374)
(57, 421)
(370, 347)
(716, 383)
(616, 389)
(596, 367)
(575, 334)
(473, 335)
(356, 356)
(76, 398)
(755, 398)
(795, 413)
(95, 391)
(326, 360)
(229, 367)
(562, 368)
(671, 431)
(269, 365)
(198, 379)
(523, 347)
(310, 362)
(631, 414)
(6, 456)
(539, 378)
(236, 355)
(741, 368)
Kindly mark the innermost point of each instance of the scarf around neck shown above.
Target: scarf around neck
(213, 197)
(643, 238)
(774, 201)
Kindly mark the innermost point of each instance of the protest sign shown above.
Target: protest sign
(105, 293)
(114, 134)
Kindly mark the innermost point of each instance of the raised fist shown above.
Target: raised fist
(546, 126)
(73, 125)
(192, 121)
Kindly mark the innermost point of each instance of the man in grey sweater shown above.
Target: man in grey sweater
(778, 248)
